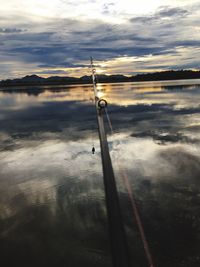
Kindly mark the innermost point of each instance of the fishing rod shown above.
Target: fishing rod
(101, 106)
(118, 241)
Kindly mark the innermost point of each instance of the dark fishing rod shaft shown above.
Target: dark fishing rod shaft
(119, 247)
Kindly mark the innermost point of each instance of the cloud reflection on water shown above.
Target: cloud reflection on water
(51, 184)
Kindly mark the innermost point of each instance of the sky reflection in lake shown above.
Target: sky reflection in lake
(52, 206)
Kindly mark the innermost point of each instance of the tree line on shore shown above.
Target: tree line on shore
(58, 80)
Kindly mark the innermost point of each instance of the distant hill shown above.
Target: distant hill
(56, 80)
(167, 75)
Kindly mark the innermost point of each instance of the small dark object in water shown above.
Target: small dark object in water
(93, 150)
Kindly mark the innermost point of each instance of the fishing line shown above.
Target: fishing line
(133, 203)
(109, 121)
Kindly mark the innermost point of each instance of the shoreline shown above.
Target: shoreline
(90, 83)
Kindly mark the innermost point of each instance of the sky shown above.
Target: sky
(58, 37)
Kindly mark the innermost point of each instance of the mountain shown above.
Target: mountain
(167, 75)
(56, 80)
(32, 78)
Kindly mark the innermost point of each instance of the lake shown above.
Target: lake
(52, 200)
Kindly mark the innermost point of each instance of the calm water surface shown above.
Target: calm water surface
(52, 202)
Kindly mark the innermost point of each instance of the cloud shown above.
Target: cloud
(52, 72)
(63, 64)
(187, 43)
(166, 34)
(162, 14)
(11, 30)
(168, 12)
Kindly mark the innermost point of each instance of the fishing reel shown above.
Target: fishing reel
(102, 103)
